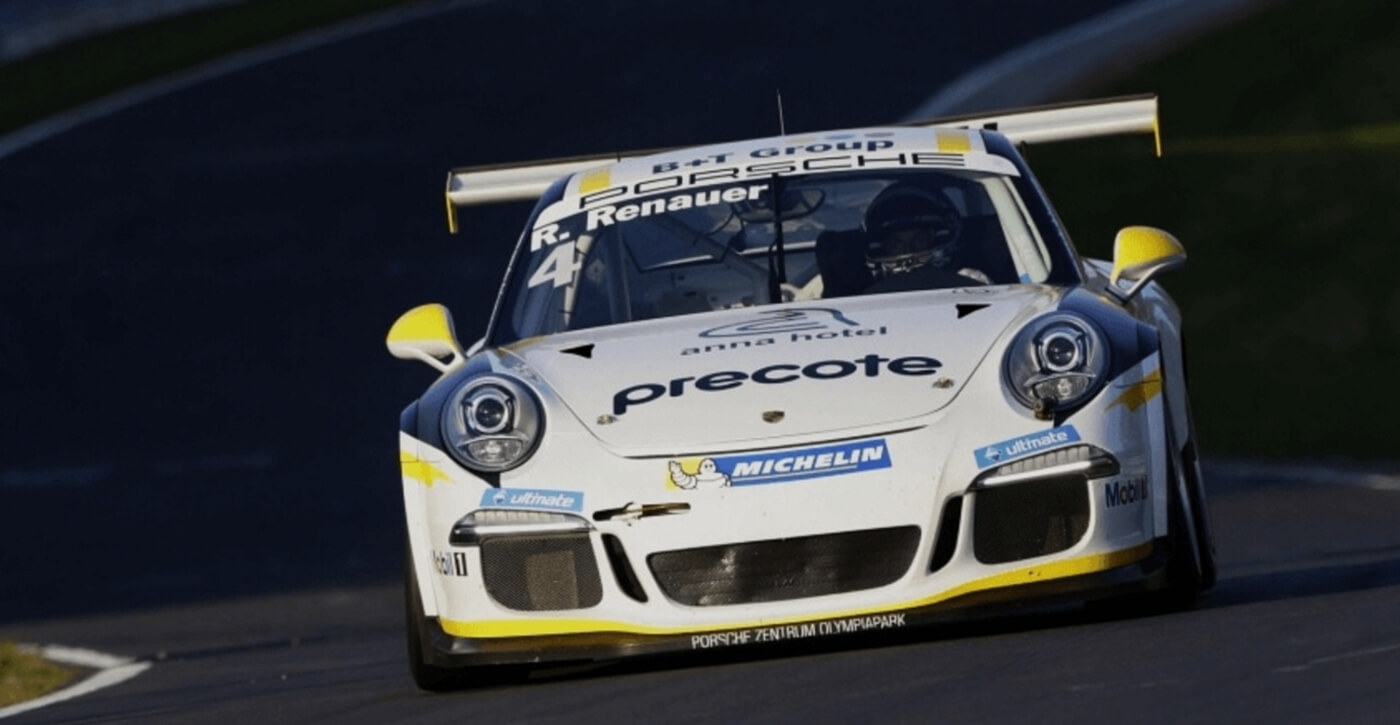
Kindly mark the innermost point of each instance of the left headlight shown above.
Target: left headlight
(492, 423)
(1056, 363)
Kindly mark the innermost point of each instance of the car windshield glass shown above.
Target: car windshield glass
(711, 247)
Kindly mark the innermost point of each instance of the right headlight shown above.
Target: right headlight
(1056, 363)
(492, 423)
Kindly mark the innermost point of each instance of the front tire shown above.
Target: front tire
(1195, 488)
(1191, 568)
(428, 677)
(1185, 568)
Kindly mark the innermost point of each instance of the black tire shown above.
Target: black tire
(428, 677)
(1205, 537)
(1183, 575)
(1183, 580)
(432, 677)
(1195, 486)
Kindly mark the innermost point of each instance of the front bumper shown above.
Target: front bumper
(1137, 569)
(985, 538)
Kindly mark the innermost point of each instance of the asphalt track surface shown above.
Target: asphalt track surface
(199, 464)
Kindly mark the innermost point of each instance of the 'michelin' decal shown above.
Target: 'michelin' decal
(794, 464)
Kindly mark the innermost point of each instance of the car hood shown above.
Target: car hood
(735, 378)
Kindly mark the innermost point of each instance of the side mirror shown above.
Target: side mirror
(1139, 255)
(425, 333)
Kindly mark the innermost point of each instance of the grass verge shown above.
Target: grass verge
(25, 675)
(1281, 139)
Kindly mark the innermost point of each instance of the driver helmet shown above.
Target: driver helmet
(907, 227)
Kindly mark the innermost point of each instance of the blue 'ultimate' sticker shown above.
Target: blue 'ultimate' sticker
(532, 498)
(793, 464)
(1025, 445)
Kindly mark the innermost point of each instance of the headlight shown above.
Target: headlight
(492, 423)
(1056, 363)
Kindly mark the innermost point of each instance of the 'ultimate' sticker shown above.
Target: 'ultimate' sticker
(532, 498)
(752, 469)
(1025, 445)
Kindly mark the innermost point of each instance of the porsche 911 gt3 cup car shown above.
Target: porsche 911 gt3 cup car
(791, 388)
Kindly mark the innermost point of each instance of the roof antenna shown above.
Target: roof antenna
(782, 127)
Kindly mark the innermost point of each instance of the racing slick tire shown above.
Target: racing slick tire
(434, 678)
(428, 677)
(1190, 465)
(1186, 567)
(1200, 515)
(1190, 567)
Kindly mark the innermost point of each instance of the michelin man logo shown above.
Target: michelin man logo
(707, 475)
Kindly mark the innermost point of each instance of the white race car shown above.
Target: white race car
(791, 388)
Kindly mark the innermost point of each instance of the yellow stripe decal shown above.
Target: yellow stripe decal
(1028, 575)
(954, 142)
(1137, 394)
(420, 470)
(594, 181)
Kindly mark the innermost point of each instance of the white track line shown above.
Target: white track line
(122, 100)
(1113, 41)
(111, 670)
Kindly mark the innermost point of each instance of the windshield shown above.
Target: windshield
(722, 246)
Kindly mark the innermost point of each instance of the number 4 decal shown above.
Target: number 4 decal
(559, 267)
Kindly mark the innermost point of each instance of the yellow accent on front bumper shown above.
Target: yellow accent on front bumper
(420, 470)
(1028, 575)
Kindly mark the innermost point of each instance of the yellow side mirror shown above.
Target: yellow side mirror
(1142, 253)
(425, 333)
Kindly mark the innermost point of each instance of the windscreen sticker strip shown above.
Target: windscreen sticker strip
(855, 150)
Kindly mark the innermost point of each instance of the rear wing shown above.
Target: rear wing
(474, 185)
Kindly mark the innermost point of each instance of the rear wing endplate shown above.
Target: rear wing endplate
(474, 185)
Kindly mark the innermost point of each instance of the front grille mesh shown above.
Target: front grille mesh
(779, 569)
(541, 573)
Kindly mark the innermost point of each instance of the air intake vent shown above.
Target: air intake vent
(948, 526)
(1029, 519)
(779, 569)
(622, 569)
(541, 573)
